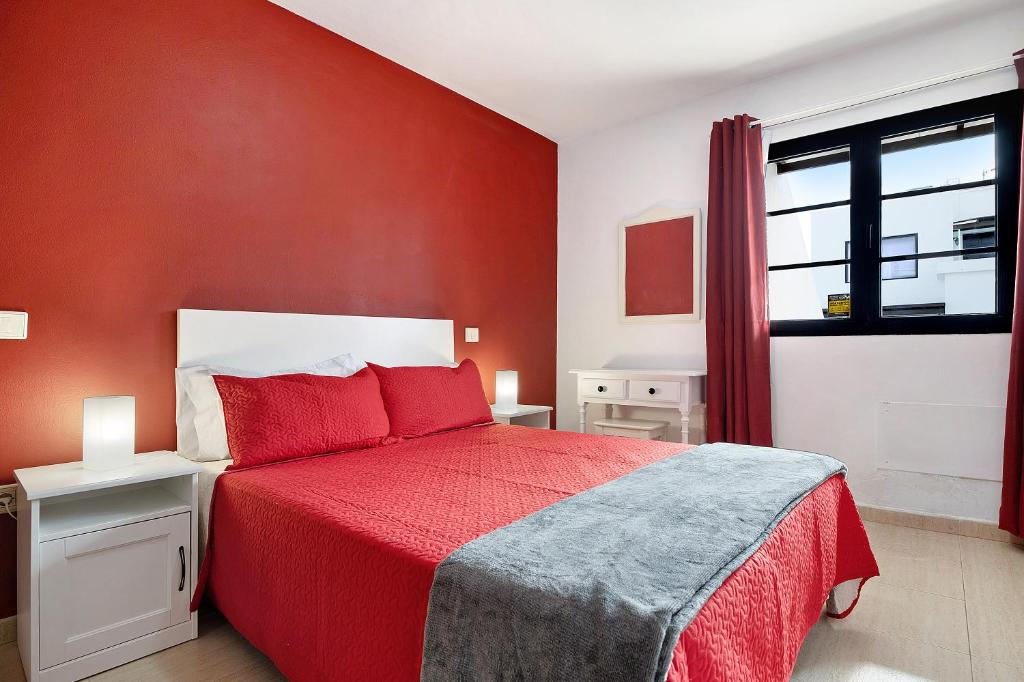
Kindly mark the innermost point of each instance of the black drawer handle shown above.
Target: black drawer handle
(181, 555)
(651, 390)
(601, 389)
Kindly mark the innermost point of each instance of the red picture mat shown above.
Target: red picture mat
(659, 267)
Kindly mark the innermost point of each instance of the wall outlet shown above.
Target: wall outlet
(6, 490)
(13, 324)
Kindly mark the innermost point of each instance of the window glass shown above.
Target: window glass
(808, 236)
(940, 157)
(808, 180)
(950, 285)
(804, 293)
(933, 216)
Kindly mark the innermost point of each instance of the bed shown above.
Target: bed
(330, 565)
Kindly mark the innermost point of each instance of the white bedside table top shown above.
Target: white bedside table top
(521, 410)
(71, 477)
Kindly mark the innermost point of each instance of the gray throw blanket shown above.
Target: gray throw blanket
(600, 585)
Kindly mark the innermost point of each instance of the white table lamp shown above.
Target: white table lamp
(506, 390)
(108, 432)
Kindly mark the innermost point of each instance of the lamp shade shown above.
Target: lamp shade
(506, 389)
(108, 432)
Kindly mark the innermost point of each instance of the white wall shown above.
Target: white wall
(827, 391)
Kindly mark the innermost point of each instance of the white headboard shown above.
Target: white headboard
(272, 341)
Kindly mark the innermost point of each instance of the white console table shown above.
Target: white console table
(675, 389)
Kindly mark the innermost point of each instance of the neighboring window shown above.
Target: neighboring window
(975, 233)
(901, 225)
(896, 245)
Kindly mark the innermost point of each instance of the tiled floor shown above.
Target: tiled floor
(945, 608)
(220, 653)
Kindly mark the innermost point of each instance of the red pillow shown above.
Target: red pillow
(271, 419)
(425, 400)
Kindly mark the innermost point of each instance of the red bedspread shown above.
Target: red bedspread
(326, 564)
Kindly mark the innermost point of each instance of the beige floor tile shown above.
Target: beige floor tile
(994, 588)
(855, 654)
(8, 630)
(909, 614)
(220, 653)
(938, 576)
(10, 663)
(990, 671)
(914, 542)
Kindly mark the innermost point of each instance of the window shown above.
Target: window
(975, 233)
(896, 245)
(899, 226)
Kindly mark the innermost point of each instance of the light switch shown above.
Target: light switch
(472, 334)
(13, 325)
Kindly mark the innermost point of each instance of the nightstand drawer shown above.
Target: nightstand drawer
(659, 391)
(602, 388)
(103, 588)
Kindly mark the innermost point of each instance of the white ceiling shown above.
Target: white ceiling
(568, 67)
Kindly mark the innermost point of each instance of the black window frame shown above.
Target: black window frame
(865, 143)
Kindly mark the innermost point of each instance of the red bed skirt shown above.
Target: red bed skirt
(751, 628)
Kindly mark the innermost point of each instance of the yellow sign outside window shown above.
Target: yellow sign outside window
(838, 305)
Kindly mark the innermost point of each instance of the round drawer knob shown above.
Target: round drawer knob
(651, 390)
(602, 389)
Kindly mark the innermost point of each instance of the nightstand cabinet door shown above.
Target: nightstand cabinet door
(110, 586)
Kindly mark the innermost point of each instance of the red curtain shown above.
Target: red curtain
(739, 381)
(1011, 512)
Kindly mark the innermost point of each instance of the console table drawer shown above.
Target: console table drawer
(603, 388)
(661, 391)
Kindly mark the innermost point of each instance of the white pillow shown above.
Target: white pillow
(202, 433)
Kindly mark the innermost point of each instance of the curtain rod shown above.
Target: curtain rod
(885, 94)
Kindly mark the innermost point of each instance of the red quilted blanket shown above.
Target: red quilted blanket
(326, 564)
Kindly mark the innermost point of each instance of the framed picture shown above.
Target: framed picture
(660, 266)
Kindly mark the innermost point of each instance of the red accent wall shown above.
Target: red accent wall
(231, 155)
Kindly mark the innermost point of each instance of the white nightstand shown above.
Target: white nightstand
(106, 564)
(537, 416)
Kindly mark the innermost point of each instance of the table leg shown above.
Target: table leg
(684, 425)
(583, 417)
